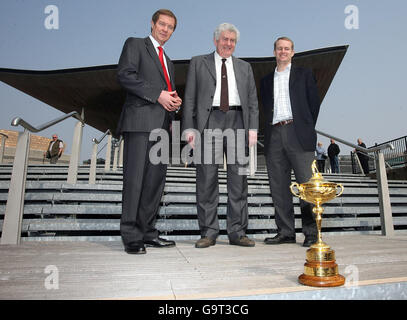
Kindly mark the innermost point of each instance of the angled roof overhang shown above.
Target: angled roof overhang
(97, 91)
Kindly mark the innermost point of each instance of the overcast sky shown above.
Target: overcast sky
(366, 97)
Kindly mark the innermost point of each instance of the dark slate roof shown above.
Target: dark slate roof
(97, 91)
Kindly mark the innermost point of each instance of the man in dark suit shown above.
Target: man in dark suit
(291, 105)
(221, 95)
(147, 75)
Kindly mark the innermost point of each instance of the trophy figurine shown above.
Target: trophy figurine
(320, 269)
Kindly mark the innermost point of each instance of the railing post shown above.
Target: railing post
(75, 154)
(386, 217)
(359, 164)
(115, 156)
(13, 216)
(121, 153)
(108, 152)
(92, 170)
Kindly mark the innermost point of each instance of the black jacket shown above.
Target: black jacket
(333, 150)
(305, 104)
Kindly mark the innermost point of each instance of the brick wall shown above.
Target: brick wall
(38, 145)
(36, 142)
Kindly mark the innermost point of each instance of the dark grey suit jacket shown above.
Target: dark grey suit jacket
(305, 103)
(140, 73)
(200, 90)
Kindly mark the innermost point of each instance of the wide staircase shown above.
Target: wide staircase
(57, 211)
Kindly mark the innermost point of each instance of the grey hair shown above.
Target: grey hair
(226, 27)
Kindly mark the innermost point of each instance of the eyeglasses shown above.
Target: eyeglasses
(54, 137)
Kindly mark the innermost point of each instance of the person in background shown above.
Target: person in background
(54, 150)
(321, 157)
(363, 157)
(333, 152)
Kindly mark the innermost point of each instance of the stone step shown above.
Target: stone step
(56, 210)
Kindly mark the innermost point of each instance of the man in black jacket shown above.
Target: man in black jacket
(291, 105)
(333, 152)
(363, 157)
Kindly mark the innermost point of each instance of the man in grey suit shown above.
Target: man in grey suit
(147, 75)
(291, 105)
(221, 94)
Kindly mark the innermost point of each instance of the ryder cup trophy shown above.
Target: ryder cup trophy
(320, 269)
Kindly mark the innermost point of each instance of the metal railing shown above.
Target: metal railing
(395, 157)
(398, 155)
(19, 121)
(93, 159)
(386, 217)
(118, 154)
(13, 215)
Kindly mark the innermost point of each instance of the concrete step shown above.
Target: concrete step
(56, 210)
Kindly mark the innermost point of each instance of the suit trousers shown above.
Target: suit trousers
(283, 154)
(207, 187)
(143, 186)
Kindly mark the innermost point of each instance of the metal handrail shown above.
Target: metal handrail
(4, 135)
(365, 150)
(386, 217)
(117, 143)
(373, 158)
(19, 121)
(97, 141)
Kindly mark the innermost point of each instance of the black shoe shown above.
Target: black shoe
(159, 243)
(279, 239)
(135, 249)
(309, 241)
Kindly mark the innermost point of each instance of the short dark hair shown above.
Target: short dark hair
(165, 12)
(284, 38)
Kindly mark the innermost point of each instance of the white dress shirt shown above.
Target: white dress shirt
(156, 45)
(282, 103)
(234, 99)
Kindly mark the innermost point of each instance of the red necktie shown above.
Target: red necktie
(224, 95)
(160, 55)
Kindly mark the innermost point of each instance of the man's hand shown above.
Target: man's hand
(252, 137)
(190, 136)
(179, 100)
(169, 100)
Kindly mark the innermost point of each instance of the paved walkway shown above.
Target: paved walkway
(92, 270)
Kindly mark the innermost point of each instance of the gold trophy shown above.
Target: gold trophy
(320, 269)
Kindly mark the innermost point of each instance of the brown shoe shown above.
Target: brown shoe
(244, 241)
(205, 242)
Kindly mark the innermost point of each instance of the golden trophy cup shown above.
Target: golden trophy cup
(320, 269)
